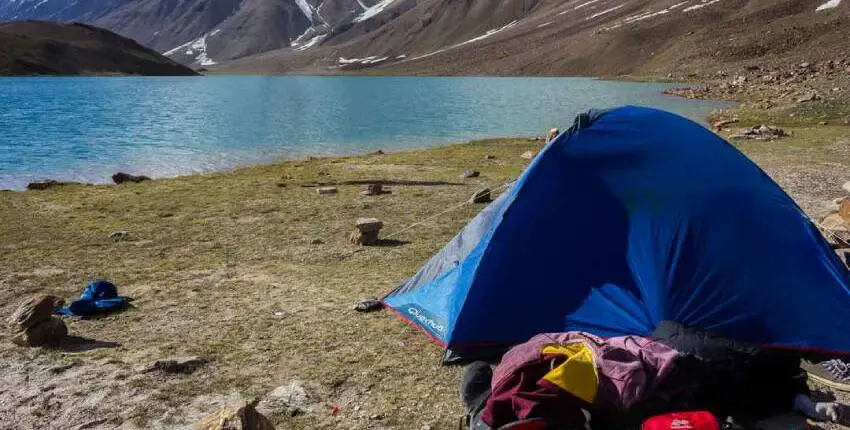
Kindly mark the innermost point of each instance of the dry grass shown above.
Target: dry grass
(211, 259)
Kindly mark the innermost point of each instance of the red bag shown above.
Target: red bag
(682, 421)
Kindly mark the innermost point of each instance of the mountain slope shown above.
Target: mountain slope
(587, 37)
(57, 10)
(49, 48)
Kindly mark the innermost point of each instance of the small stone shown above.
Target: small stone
(368, 305)
(121, 178)
(836, 89)
(553, 133)
(290, 398)
(804, 65)
(470, 174)
(481, 196)
(822, 123)
(846, 186)
(372, 189)
(118, 235)
(358, 237)
(528, 155)
(326, 190)
(177, 365)
(808, 97)
(376, 417)
(317, 242)
(368, 225)
(48, 183)
(245, 417)
(489, 157)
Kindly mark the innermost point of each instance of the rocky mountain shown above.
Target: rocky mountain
(537, 37)
(51, 48)
(572, 37)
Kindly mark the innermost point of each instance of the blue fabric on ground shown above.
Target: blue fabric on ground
(99, 297)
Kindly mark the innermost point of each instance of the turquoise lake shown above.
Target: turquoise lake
(86, 129)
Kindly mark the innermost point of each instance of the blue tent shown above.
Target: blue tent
(631, 217)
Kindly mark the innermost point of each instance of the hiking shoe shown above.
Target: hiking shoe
(475, 386)
(833, 373)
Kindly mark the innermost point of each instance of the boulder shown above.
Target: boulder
(47, 332)
(48, 183)
(244, 417)
(326, 190)
(123, 178)
(289, 399)
(528, 155)
(470, 174)
(481, 196)
(368, 225)
(177, 365)
(33, 310)
(372, 189)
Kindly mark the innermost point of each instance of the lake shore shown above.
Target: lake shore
(255, 271)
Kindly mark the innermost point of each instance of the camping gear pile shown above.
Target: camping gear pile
(632, 218)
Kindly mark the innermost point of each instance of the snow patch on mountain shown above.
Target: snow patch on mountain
(374, 10)
(196, 48)
(700, 6)
(368, 61)
(473, 40)
(598, 14)
(306, 9)
(828, 5)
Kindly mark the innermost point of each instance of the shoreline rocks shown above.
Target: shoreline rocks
(48, 183)
(760, 132)
(123, 178)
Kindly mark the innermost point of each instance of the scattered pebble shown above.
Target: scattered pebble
(326, 190)
(470, 174)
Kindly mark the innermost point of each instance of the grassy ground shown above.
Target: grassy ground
(225, 265)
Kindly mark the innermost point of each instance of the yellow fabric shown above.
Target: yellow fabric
(577, 375)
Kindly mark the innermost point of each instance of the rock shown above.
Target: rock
(368, 305)
(378, 152)
(177, 365)
(553, 133)
(808, 97)
(834, 222)
(844, 210)
(822, 123)
(470, 174)
(368, 225)
(481, 196)
(528, 155)
(245, 417)
(46, 332)
(48, 183)
(768, 78)
(372, 189)
(33, 310)
(366, 232)
(122, 178)
(836, 89)
(118, 236)
(739, 81)
(317, 242)
(326, 190)
(760, 132)
(289, 399)
(846, 186)
(804, 65)
(722, 123)
(489, 157)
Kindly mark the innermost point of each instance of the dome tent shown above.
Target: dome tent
(631, 217)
